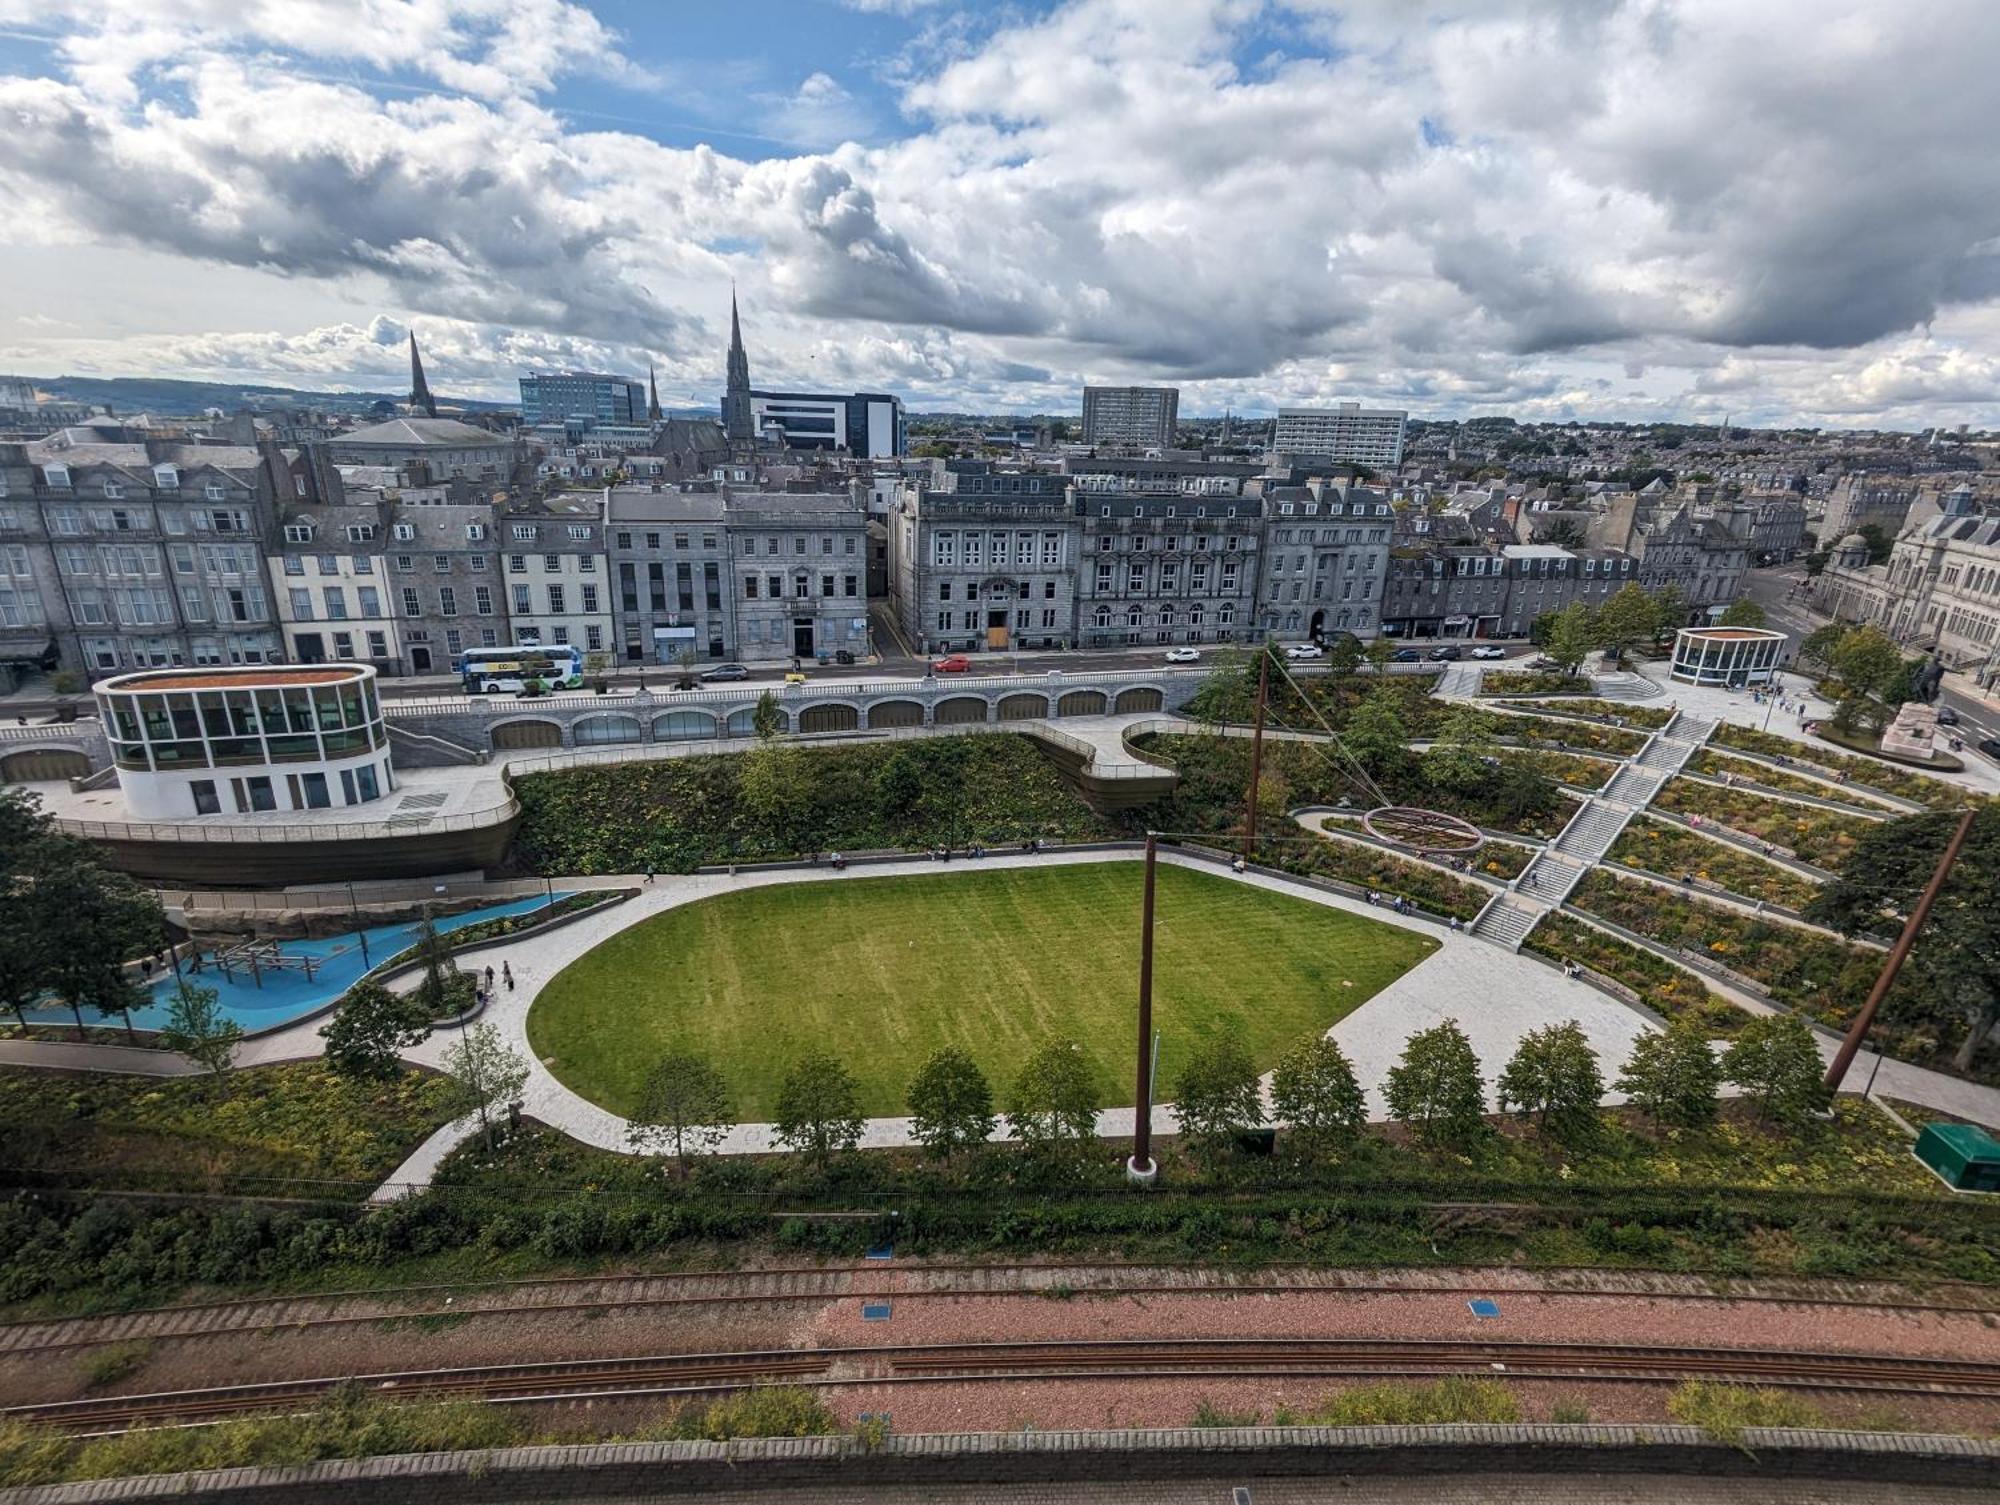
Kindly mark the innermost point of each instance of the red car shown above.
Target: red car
(958, 663)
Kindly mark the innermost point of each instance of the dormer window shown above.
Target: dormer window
(113, 489)
(524, 532)
(57, 476)
(166, 477)
(475, 531)
(298, 532)
(405, 531)
(214, 491)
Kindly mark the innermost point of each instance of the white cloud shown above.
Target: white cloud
(1460, 205)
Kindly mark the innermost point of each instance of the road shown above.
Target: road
(1781, 592)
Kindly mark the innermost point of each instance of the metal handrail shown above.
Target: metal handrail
(230, 835)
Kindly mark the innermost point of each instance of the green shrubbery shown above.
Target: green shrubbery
(783, 801)
(1823, 838)
(1533, 682)
(1663, 987)
(1673, 851)
(1618, 710)
(1866, 773)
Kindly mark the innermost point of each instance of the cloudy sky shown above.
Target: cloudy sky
(1781, 210)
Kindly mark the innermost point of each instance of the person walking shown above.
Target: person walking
(507, 976)
(489, 979)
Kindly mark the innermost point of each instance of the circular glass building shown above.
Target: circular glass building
(1727, 655)
(194, 742)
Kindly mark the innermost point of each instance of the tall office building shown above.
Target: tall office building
(867, 424)
(1143, 416)
(1346, 431)
(590, 397)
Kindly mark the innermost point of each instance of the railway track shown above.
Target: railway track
(589, 1296)
(1220, 1358)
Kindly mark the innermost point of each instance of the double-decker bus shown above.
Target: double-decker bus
(555, 667)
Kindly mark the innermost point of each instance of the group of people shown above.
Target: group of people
(1395, 901)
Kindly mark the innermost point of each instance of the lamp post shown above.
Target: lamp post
(354, 908)
(1140, 1169)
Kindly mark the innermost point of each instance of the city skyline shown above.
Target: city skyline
(1618, 214)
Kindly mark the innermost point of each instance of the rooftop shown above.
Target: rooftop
(252, 677)
(405, 432)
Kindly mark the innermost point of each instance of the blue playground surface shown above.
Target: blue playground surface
(286, 994)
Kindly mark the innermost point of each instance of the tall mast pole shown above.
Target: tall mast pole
(1140, 1167)
(1256, 753)
(1858, 1030)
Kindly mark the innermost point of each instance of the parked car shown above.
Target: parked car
(955, 663)
(1446, 653)
(726, 671)
(794, 677)
(1543, 664)
(1991, 747)
(842, 656)
(1303, 650)
(1489, 650)
(1405, 656)
(1947, 716)
(1183, 656)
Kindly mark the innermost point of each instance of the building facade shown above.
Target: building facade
(1473, 591)
(588, 398)
(329, 579)
(1325, 561)
(1143, 417)
(1345, 432)
(429, 449)
(1167, 567)
(558, 586)
(671, 582)
(984, 560)
(799, 573)
(444, 583)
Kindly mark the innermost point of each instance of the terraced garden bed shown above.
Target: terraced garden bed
(1672, 851)
(1868, 773)
(1650, 717)
(1534, 682)
(1823, 838)
(1740, 770)
(1660, 985)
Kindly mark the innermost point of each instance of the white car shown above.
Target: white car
(1303, 650)
(1490, 650)
(1183, 656)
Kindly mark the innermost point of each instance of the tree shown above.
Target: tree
(1626, 618)
(772, 784)
(1376, 736)
(1053, 1107)
(767, 720)
(1563, 533)
(1216, 1097)
(1670, 611)
(1553, 1077)
(197, 1028)
(819, 1108)
(1776, 1061)
(1570, 636)
(1343, 654)
(1462, 758)
(1435, 1088)
(486, 1072)
(684, 1109)
(685, 661)
(1820, 644)
(1870, 670)
(371, 1029)
(1880, 544)
(1743, 612)
(1673, 1076)
(434, 951)
(951, 1103)
(1952, 977)
(1315, 1091)
(1379, 652)
(93, 921)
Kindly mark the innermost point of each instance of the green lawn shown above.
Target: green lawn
(883, 971)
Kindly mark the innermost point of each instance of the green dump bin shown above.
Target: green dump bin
(1967, 1157)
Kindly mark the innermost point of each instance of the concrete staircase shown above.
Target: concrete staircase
(1506, 921)
(1590, 832)
(1460, 679)
(1550, 877)
(1635, 786)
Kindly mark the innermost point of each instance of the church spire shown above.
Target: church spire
(736, 414)
(420, 391)
(653, 413)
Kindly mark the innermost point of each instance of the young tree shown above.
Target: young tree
(197, 1028)
(774, 791)
(1229, 690)
(951, 1105)
(1670, 611)
(684, 1109)
(1869, 667)
(819, 1108)
(1571, 634)
(1377, 736)
(1743, 612)
(1821, 643)
(1553, 1077)
(1673, 1076)
(685, 661)
(1315, 1091)
(371, 1028)
(1379, 652)
(434, 951)
(1343, 654)
(1053, 1107)
(1435, 1089)
(487, 1071)
(1216, 1097)
(1458, 758)
(767, 720)
(1626, 618)
(1776, 1061)
(1951, 981)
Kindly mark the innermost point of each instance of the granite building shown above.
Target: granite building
(799, 564)
(984, 559)
(671, 584)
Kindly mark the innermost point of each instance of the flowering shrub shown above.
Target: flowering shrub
(1533, 682)
(1632, 715)
(1366, 867)
(1716, 765)
(1673, 850)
